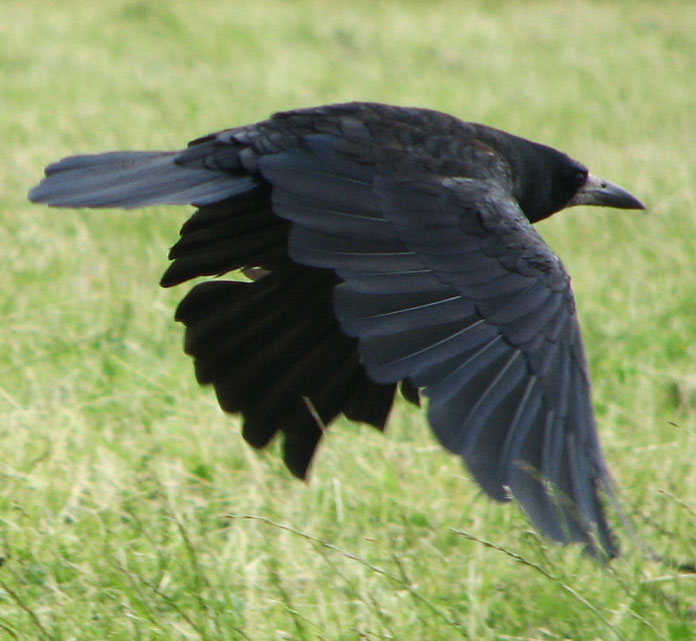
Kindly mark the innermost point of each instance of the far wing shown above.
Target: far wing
(448, 286)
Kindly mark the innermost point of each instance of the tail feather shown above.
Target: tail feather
(131, 179)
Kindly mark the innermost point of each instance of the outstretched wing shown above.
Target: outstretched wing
(447, 285)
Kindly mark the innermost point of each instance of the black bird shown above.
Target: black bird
(384, 245)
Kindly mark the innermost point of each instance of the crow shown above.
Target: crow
(383, 246)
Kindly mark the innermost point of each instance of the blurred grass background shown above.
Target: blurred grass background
(124, 487)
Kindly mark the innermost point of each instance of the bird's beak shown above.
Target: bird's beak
(597, 191)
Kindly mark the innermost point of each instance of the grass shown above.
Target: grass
(130, 508)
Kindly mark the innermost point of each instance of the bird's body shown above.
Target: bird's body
(384, 246)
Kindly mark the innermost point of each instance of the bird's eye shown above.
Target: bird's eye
(580, 178)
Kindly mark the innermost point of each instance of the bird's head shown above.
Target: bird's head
(548, 181)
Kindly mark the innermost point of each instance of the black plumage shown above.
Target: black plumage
(384, 245)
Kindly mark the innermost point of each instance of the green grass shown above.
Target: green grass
(131, 508)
